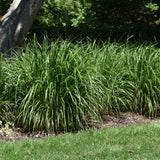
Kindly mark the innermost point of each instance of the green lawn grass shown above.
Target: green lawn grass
(134, 142)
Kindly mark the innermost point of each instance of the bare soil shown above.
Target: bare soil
(124, 119)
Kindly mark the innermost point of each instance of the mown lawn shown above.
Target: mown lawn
(135, 142)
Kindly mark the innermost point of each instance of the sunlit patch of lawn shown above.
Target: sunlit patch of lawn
(135, 142)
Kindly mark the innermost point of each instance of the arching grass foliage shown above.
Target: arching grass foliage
(61, 85)
(53, 86)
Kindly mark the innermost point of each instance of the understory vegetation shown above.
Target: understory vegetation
(61, 86)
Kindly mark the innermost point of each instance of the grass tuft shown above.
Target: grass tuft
(61, 86)
(54, 87)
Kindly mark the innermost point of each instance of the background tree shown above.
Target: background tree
(98, 12)
(16, 22)
(74, 17)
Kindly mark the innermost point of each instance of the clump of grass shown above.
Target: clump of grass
(59, 86)
(54, 87)
(132, 78)
(2, 83)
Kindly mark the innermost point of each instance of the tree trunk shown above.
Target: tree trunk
(16, 22)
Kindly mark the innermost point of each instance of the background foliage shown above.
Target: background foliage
(96, 18)
(98, 12)
(94, 12)
(4, 4)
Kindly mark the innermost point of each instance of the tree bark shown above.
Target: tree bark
(16, 23)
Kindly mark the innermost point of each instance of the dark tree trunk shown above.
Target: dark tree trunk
(16, 23)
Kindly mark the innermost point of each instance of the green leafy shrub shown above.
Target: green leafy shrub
(65, 12)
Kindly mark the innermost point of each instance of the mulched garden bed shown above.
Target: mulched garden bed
(124, 119)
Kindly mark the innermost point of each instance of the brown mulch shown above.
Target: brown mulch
(124, 119)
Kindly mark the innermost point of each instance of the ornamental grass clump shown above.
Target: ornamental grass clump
(132, 78)
(53, 86)
(63, 86)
